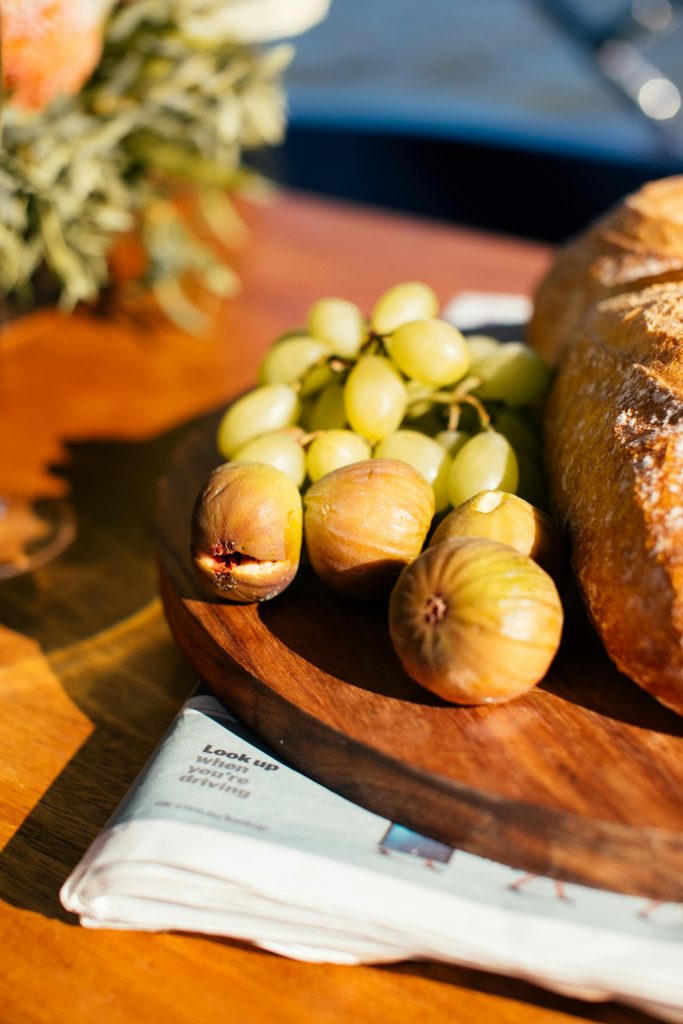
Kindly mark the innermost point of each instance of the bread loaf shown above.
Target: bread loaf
(640, 243)
(611, 314)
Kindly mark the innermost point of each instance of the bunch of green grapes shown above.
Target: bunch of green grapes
(401, 384)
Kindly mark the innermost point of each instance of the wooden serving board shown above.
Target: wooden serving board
(582, 778)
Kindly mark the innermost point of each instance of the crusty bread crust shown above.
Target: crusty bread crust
(638, 244)
(610, 315)
(614, 432)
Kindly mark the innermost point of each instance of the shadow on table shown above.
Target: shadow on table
(515, 990)
(583, 662)
(322, 627)
(96, 616)
(109, 571)
(512, 990)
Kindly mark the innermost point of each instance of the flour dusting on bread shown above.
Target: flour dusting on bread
(611, 312)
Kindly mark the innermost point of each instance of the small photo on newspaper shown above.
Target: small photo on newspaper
(219, 835)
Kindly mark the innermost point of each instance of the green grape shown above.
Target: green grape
(452, 440)
(430, 351)
(519, 433)
(480, 346)
(261, 411)
(333, 449)
(515, 375)
(328, 411)
(307, 407)
(425, 455)
(411, 300)
(279, 449)
(340, 324)
(290, 359)
(486, 462)
(374, 397)
(316, 379)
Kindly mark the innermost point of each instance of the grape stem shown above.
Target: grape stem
(418, 393)
(335, 363)
(484, 417)
(297, 434)
(464, 387)
(306, 439)
(420, 396)
(462, 394)
(418, 408)
(374, 344)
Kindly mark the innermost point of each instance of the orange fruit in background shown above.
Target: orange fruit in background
(49, 47)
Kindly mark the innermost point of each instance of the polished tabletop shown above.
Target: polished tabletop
(91, 406)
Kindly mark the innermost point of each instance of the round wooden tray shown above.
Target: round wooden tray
(582, 778)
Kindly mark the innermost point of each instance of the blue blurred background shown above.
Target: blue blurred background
(524, 116)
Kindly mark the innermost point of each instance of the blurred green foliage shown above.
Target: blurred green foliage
(171, 102)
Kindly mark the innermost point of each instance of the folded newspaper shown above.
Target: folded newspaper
(219, 835)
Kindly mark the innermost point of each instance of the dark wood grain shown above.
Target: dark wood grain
(581, 778)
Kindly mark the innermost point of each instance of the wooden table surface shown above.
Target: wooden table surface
(90, 408)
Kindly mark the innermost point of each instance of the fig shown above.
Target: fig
(364, 522)
(511, 520)
(247, 532)
(475, 621)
